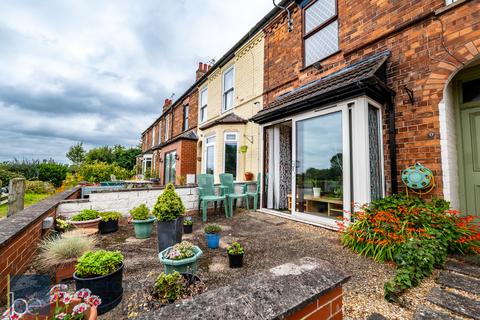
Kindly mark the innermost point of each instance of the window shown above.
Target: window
(376, 188)
(210, 155)
(153, 136)
(159, 132)
(203, 105)
(320, 30)
(450, 1)
(228, 89)
(170, 167)
(167, 124)
(230, 158)
(185, 117)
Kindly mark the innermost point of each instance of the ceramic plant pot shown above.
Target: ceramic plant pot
(89, 224)
(188, 265)
(169, 233)
(64, 271)
(143, 228)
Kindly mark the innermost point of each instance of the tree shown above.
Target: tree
(76, 154)
(126, 158)
(100, 154)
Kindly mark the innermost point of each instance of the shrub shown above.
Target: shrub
(180, 251)
(169, 287)
(39, 187)
(140, 213)
(98, 263)
(6, 176)
(62, 225)
(212, 228)
(52, 172)
(55, 251)
(169, 206)
(235, 248)
(101, 171)
(110, 216)
(85, 215)
(187, 222)
(25, 168)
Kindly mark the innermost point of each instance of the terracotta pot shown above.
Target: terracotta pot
(248, 176)
(89, 224)
(90, 314)
(64, 271)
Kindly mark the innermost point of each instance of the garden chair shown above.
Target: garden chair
(255, 194)
(206, 193)
(228, 189)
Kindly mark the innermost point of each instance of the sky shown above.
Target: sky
(99, 71)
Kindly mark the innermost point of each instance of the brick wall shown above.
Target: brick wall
(328, 306)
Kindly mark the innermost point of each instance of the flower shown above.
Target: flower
(80, 308)
(67, 299)
(83, 293)
(60, 316)
(94, 300)
(57, 288)
(57, 295)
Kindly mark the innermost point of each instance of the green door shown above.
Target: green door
(470, 119)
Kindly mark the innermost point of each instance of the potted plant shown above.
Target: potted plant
(60, 253)
(170, 287)
(248, 176)
(243, 149)
(316, 187)
(212, 235)
(169, 212)
(182, 257)
(101, 272)
(87, 218)
(142, 221)
(188, 225)
(62, 225)
(109, 222)
(235, 255)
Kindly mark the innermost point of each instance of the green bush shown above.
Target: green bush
(6, 176)
(187, 222)
(212, 228)
(98, 263)
(85, 215)
(25, 168)
(39, 187)
(169, 287)
(169, 205)
(52, 172)
(110, 216)
(140, 213)
(101, 171)
(235, 248)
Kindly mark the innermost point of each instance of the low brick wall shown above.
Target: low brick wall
(20, 233)
(308, 288)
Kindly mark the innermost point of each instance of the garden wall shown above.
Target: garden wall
(21, 232)
(124, 200)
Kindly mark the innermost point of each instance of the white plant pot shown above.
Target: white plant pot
(316, 192)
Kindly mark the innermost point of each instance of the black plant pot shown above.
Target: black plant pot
(187, 228)
(235, 260)
(169, 233)
(108, 227)
(108, 288)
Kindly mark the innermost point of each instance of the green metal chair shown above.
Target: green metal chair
(228, 189)
(255, 194)
(206, 193)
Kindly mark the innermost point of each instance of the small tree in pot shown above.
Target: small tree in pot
(142, 221)
(188, 225)
(109, 222)
(235, 255)
(169, 212)
(212, 235)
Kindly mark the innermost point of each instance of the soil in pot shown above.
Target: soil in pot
(235, 260)
(187, 229)
(108, 226)
(169, 233)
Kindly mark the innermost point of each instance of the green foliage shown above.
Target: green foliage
(62, 225)
(169, 287)
(52, 172)
(110, 216)
(76, 154)
(180, 251)
(169, 205)
(6, 176)
(187, 222)
(235, 248)
(123, 157)
(212, 228)
(101, 171)
(85, 215)
(39, 187)
(140, 213)
(25, 168)
(100, 154)
(98, 263)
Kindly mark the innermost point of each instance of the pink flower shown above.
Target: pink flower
(94, 300)
(67, 299)
(61, 316)
(57, 288)
(83, 293)
(80, 308)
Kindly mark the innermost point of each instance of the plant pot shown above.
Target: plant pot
(248, 176)
(89, 224)
(213, 240)
(143, 228)
(108, 288)
(90, 314)
(64, 271)
(188, 228)
(108, 226)
(235, 260)
(189, 265)
(317, 192)
(169, 233)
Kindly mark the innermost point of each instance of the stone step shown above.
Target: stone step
(460, 282)
(464, 268)
(455, 302)
(425, 313)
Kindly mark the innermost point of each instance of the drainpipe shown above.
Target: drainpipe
(289, 16)
(392, 143)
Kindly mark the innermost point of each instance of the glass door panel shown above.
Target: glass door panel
(319, 165)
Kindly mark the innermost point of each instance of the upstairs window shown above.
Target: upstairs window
(167, 125)
(186, 109)
(203, 105)
(320, 34)
(228, 89)
(159, 132)
(450, 1)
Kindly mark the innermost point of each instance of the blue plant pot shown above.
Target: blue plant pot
(213, 239)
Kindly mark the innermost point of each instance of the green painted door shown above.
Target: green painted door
(470, 123)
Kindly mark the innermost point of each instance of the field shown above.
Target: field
(30, 198)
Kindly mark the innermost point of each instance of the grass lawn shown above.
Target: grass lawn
(30, 198)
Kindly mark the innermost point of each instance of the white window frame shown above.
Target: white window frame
(167, 127)
(230, 69)
(225, 150)
(159, 132)
(207, 145)
(154, 133)
(202, 105)
(186, 116)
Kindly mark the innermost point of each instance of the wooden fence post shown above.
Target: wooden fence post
(16, 195)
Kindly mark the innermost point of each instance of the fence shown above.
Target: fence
(3, 198)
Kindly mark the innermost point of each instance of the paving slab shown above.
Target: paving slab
(455, 302)
(425, 313)
(460, 282)
(462, 267)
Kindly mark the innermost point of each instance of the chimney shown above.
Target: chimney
(168, 103)
(202, 69)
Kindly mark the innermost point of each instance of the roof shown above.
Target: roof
(230, 118)
(349, 81)
(187, 135)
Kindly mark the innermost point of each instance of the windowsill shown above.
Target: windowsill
(320, 61)
(451, 6)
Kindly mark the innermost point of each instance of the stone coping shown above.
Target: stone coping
(15, 224)
(273, 294)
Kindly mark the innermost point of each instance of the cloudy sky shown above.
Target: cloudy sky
(98, 71)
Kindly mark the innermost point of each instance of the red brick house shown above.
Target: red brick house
(357, 91)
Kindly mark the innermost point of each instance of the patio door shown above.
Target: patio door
(170, 167)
